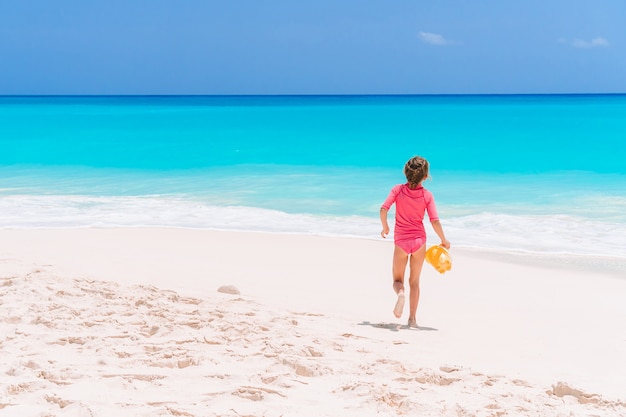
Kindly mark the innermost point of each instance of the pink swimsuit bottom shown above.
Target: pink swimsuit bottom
(411, 245)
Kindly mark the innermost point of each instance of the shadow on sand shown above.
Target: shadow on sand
(394, 327)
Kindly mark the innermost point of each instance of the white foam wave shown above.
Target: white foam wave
(84, 211)
(556, 234)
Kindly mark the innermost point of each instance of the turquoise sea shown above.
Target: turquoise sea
(530, 174)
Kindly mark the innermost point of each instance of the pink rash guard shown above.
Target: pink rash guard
(409, 232)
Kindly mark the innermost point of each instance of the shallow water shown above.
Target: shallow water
(537, 174)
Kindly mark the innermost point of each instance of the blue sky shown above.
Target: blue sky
(312, 46)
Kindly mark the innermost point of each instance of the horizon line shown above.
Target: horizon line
(318, 95)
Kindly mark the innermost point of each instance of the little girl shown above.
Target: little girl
(411, 200)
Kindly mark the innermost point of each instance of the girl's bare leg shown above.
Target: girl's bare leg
(417, 261)
(400, 259)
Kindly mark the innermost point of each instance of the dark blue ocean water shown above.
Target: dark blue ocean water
(544, 173)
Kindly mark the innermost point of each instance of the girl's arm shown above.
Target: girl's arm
(383, 220)
(439, 230)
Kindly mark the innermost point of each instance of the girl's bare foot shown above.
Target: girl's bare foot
(397, 310)
(413, 323)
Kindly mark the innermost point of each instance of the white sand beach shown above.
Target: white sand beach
(130, 322)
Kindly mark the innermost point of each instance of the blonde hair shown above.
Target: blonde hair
(416, 170)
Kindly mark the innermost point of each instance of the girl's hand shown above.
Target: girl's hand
(445, 243)
(385, 231)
